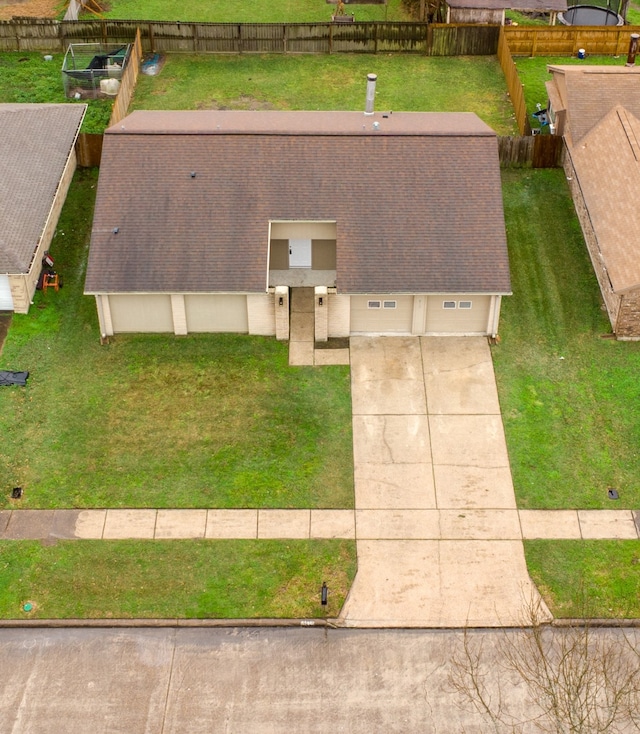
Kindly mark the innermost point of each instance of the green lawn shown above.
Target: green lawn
(251, 11)
(330, 82)
(570, 399)
(27, 77)
(175, 578)
(593, 578)
(162, 421)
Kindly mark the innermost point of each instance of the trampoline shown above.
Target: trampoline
(590, 15)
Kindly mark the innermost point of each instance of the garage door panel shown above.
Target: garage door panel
(141, 313)
(6, 299)
(457, 314)
(381, 314)
(217, 313)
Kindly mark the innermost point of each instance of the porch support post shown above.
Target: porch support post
(321, 308)
(281, 301)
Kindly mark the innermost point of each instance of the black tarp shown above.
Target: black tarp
(13, 378)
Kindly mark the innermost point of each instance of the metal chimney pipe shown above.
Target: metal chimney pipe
(633, 49)
(371, 93)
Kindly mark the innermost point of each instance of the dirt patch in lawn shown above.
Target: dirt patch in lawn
(29, 9)
(244, 102)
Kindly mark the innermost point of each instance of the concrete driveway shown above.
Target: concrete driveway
(437, 529)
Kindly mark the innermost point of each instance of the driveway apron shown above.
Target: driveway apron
(438, 535)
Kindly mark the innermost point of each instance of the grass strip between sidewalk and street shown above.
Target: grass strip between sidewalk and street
(226, 579)
(587, 578)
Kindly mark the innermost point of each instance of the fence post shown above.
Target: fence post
(429, 40)
(330, 38)
(152, 42)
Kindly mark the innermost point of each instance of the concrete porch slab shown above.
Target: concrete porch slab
(611, 524)
(302, 297)
(121, 524)
(468, 440)
(551, 524)
(90, 524)
(242, 524)
(181, 524)
(394, 486)
(390, 439)
(472, 487)
(284, 523)
(325, 357)
(459, 376)
(333, 524)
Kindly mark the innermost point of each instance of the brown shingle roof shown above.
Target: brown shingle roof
(417, 203)
(35, 143)
(591, 91)
(607, 164)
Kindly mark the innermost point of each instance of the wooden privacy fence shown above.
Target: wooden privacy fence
(28, 34)
(538, 151)
(566, 40)
(127, 82)
(514, 85)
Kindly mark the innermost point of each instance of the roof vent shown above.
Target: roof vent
(193, 174)
(371, 93)
(376, 125)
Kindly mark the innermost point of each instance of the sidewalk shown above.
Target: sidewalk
(318, 524)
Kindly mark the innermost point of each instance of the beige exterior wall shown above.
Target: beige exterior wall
(261, 317)
(279, 255)
(144, 313)
(339, 315)
(23, 285)
(323, 254)
(303, 230)
(281, 308)
(211, 313)
(611, 300)
(474, 320)
(365, 320)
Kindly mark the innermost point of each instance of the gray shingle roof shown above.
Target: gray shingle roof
(35, 143)
(417, 203)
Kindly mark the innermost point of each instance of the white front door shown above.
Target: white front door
(300, 253)
(6, 300)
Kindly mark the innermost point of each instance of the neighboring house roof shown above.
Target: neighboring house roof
(536, 5)
(417, 202)
(607, 162)
(589, 92)
(35, 143)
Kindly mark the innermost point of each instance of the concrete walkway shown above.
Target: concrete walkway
(433, 486)
(302, 348)
(430, 524)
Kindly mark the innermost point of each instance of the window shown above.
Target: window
(389, 304)
(448, 304)
(464, 304)
(373, 304)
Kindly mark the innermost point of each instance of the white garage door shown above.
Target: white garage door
(381, 314)
(456, 314)
(213, 313)
(143, 314)
(6, 300)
